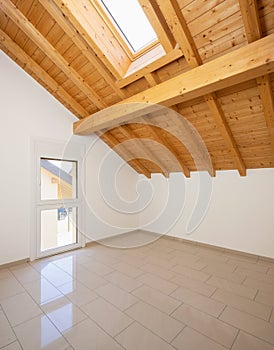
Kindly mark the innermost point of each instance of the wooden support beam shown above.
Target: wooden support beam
(124, 153)
(266, 94)
(176, 21)
(235, 67)
(180, 31)
(152, 79)
(74, 35)
(220, 119)
(156, 18)
(159, 138)
(146, 153)
(7, 43)
(38, 39)
(250, 15)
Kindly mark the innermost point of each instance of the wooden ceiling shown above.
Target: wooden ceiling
(214, 67)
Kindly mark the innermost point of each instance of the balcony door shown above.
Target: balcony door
(58, 201)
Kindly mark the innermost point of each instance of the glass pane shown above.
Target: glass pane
(58, 179)
(132, 22)
(58, 228)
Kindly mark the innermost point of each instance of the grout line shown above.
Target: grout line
(234, 341)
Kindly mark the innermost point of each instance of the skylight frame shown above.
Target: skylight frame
(116, 31)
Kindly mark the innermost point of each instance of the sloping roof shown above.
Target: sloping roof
(227, 45)
(53, 169)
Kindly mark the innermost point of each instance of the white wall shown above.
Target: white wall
(240, 213)
(28, 112)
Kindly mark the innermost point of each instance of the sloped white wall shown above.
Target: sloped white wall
(240, 213)
(28, 112)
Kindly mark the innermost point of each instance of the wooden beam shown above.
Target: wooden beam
(183, 36)
(223, 126)
(130, 134)
(250, 16)
(244, 64)
(266, 94)
(156, 19)
(124, 153)
(38, 39)
(152, 79)
(180, 31)
(7, 43)
(74, 35)
(253, 30)
(160, 139)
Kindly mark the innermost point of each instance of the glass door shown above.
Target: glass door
(58, 206)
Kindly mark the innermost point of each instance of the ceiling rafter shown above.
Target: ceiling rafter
(152, 79)
(155, 132)
(250, 15)
(238, 66)
(79, 41)
(7, 43)
(124, 153)
(132, 135)
(178, 25)
(26, 26)
(158, 23)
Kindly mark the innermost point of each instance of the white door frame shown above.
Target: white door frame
(56, 150)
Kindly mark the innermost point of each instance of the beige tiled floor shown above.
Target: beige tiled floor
(162, 296)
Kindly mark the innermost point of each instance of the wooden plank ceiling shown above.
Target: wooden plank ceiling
(214, 67)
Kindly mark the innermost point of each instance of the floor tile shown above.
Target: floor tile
(26, 274)
(243, 304)
(107, 316)
(194, 285)
(158, 271)
(223, 272)
(13, 346)
(249, 323)
(200, 302)
(40, 333)
(247, 341)
(9, 287)
(128, 270)
(189, 272)
(42, 291)
(158, 283)
(20, 308)
(264, 287)
(7, 335)
(55, 275)
(116, 296)
(155, 298)
(263, 277)
(77, 293)
(209, 326)
(123, 281)
(63, 314)
(159, 323)
(239, 289)
(189, 339)
(88, 336)
(98, 268)
(265, 298)
(5, 273)
(136, 337)
(90, 279)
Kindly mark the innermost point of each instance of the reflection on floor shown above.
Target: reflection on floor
(166, 294)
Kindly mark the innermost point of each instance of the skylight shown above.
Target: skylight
(131, 22)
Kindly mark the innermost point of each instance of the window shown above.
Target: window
(131, 22)
(58, 179)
